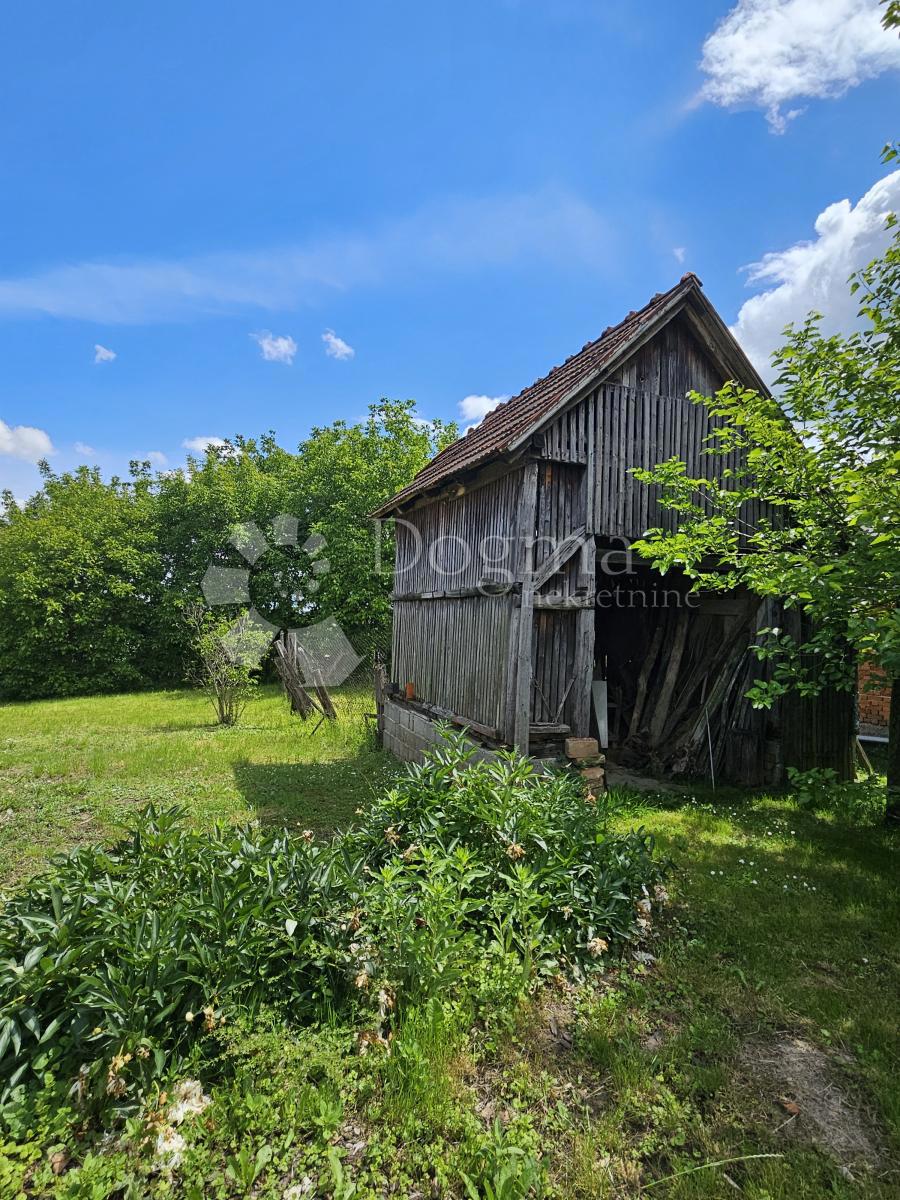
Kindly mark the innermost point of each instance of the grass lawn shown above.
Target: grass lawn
(754, 1053)
(75, 771)
(767, 1025)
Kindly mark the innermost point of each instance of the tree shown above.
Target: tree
(80, 587)
(824, 459)
(200, 510)
(95, 576)
(334, 561)
(228, 656)
(344, 473)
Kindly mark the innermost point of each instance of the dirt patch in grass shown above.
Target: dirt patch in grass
(810, 1102)
(551, 1046)
(545, 1047)
(622, 779)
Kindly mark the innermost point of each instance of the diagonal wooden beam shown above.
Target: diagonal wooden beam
(560, 556)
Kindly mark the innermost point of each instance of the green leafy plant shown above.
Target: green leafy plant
(821, 466)
(860, 801)
(245, 1167)
(536, 871)
(118, 962)
(509, 1173)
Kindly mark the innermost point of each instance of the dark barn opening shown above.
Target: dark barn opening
(676, 667)
(635, 613)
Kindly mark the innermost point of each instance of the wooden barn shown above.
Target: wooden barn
(521, 613)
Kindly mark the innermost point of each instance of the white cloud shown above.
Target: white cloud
(679, 252)
(102, 354)
(475, 408)
(85, 449)
(458, 236)
(199, 445)
(275, 349)
(766, 53)
(25, 442)
(336, 347)
(157, 457)
(813, 275)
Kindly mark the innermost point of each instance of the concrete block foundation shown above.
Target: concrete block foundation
(408, 734)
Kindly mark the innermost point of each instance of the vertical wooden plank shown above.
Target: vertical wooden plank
(635, 487)
(647, 461)
(522, 705)
(599, 404)
(599, 458)
(624, 406)
(583, 665)
(606, 467)
(601, 712)
(614, 525)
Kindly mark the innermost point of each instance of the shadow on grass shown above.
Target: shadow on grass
(835, 841)
(778, 904)
(321, 796)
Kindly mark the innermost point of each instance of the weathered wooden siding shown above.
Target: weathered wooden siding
(639, 418)
(454, 648)
(553, 666)
(816, 731)
(508, 661)
(455, 542)
(561, 510)
(455, 652)
(565, 440)
(673, 363)
(640, 429)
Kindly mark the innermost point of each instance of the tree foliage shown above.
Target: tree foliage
(80, 586)
(345, 472)
(95, 575)
(822, 463)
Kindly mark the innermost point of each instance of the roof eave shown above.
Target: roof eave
(472, 469)
(728, 349)
(723, 346)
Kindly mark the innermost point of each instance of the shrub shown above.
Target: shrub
(229, 654)
(471, 877)
(518, 861)
(859, 801)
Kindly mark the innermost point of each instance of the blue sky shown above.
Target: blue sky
(463, 193)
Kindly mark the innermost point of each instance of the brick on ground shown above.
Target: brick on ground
(578, 748)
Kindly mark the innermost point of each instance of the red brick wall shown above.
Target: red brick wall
(874, 704)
